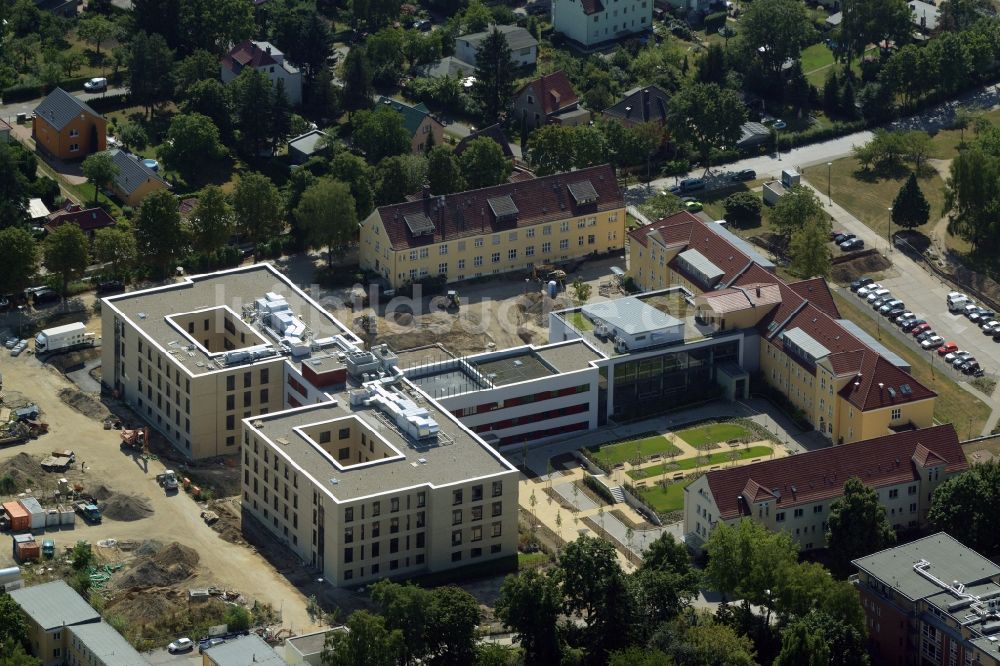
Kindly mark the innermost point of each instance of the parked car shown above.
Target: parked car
(180, 645)
(903, 317)
(947, 348)
(895, 312)
(891, 305)
(932, 342)
(970, 366)
(692, 184)
(110, 286)
(96, 84)
(925, 334)
(779, 124)
(968, 309)
(881, 300)
(852, 245)
(981, 315)
(990, 327)
(861, 282)
(919, 328)
(743, 175)
(960, 358)
(209, 643)
(950, 357)
(867, 289)
(841, 237)
(693, 206)
(996, 336)
(877, 294)
(43, 296)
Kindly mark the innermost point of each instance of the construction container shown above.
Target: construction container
(28, 552)
(66, 515)
(32, 506)
(52, 518)
(19, 539)
(20, 519)
(10, 579)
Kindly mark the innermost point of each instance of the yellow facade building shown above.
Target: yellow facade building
(509, 227)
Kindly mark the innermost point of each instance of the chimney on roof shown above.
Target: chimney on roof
(425, 190)
(758, 292)
(880, 386)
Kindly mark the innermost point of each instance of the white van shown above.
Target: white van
(957, 301)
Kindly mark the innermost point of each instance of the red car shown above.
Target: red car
(917, 330)
(947, 348)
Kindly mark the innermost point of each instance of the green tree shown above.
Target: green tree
(66, 252)
(810, 249)
(214, 24)
(210, 98)
(743, 209)
(305, 38)
(661, 205)
(115, 246)
(529, 605)
(581, 290)
(252, 95)
(870, 22)
(700, 641)
(13, 626)
(132, 136)
(456, 616)
(149, 77)
(973, 196)
(201, 65)
(13, 189)
(795, 209)
(13, 654)
(257, 208)
(831, 92)
(857, 525)
(910, 208)
(95, 30)
(353, 170)
(589, 148)
(746, 561)
(82, 555)
(192, 145)
(324, 98)
(495, 654)
(636, 656)
(773, 32)
(327, 215)
(712, 66)
(385, 55)
(965, 505)
(158, 233)
(100, 169)
(398, 176)
(551, 149)
(380, 133)
(707, 116)
(959, 15)
(493, 87)
(483, 164)
(280, 125)
(211, 220)
(358, 90)
(366, 643)
(237, 618)
(803, 645)
(443, 173)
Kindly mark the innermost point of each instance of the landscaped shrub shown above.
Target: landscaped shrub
(21, 93)
(714, 21)
(599, 488)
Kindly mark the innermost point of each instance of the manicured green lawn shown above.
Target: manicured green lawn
(581, 323)
(692, 463)
(712, 433)
(613, 454)
(665, 500)
(531, 560)
(816, 56)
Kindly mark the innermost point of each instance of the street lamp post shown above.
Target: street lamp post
(889, 236)
(829, 194)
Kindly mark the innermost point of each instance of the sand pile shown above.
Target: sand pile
(126, 507)
(23, 470)
(84, 403)
(149, 548)
(171, 565)
(146, 607)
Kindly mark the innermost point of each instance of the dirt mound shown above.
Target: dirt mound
(126, 507)
(86, 404)
(74, 360)
(23, 471)
(169, 566)
(149, 548)
(102, 492)
(852, 269)
(147, 607)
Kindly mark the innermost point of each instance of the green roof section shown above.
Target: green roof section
(412, 115)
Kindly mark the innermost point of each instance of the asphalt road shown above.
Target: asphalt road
(9, 111)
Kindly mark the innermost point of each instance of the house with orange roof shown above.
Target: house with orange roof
(794, 494)
(549, 99)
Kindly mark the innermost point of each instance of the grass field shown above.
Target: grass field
(692, 463)
(712, 434)
(581, 323)
(953, 404)
(612, 454)
(665, 500)
(531, 560)
(869, 198)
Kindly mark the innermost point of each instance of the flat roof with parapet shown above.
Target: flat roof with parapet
(455, 456)
(569, 356)
(149, 309)
(631, 315)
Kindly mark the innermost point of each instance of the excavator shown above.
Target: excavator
(135, 438)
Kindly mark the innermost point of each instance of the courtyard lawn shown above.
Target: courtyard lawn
(692, 463)
(666, 499)
(580, 322)
(613, 454)
(712, 433)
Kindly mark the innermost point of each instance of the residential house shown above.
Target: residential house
(419, 123)
(794, 493)
(509, 227)
(65, 8)
(37, 210)
(494, 132)
(930, 601)
(549, 98)
(640, 105)
(753, 134)
(847, 385)
(65, 629)
(924, 15)
(242, 651)
(523, 46)
(134, 179)
(66, 128)
(448, 66)
(88, 219)
(593, 23)
(266, 58)
(304, 146)
(308, 648)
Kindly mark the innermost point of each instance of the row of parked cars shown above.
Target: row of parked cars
(893, 309)
(846, 242)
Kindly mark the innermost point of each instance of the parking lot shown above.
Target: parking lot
(931, 306)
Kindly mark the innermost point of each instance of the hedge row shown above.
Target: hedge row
(599, 488)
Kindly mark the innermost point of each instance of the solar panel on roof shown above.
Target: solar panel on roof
(419, 224)
(502, 207)
(583, 192)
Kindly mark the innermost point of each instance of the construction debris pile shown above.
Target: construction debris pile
(122, 506)
(170, 565)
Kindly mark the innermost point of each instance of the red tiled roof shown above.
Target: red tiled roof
(465, 214)
(673, 229)
(591, 6)
(247, 54)
(554, 91)
(844, 363)
(820, 475)
(924, 457)
(817, 292)
(879, 380)
(494, 132)
(88, 219)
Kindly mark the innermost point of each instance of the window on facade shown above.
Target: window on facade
(456, 538)
(896, 414)
(456, 517)
(495, 530)
(564, 244)
(497, 509)
(495, 258)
